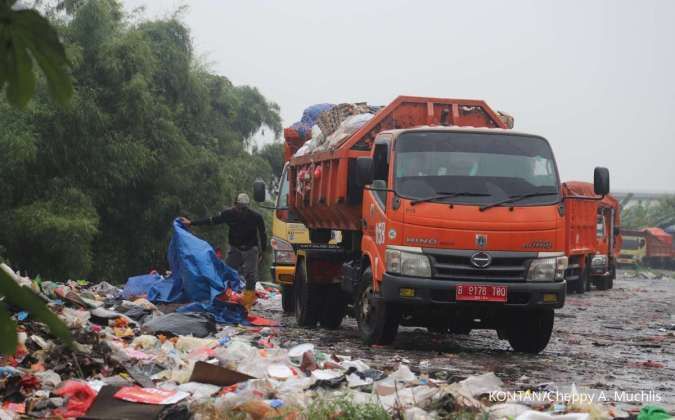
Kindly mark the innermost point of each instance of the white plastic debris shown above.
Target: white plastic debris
(506, 411)
(536, 415)
(482, 384)
(326, 374)
(295, 353)
(279, 371)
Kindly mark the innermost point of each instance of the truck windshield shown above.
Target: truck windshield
(630, 243)
(492, 166)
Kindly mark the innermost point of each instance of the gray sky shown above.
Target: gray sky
(597, 78)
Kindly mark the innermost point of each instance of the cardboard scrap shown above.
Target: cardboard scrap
(207, 373)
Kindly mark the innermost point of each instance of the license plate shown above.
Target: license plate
(480, 293)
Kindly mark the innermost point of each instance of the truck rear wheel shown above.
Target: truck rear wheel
(287, 299)
(334, 307)
(377, 320)
(530, 331)
(580, 285)
(307, 299)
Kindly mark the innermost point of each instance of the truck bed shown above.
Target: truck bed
(322, 192)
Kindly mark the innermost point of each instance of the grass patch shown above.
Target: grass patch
(343, 407)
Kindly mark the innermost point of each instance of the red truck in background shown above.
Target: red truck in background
(593, 239)
(449, 220)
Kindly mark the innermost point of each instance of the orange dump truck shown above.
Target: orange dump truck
(449, 220)
(593, 240)
(659, 247)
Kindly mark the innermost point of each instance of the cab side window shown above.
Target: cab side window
(381, 172)
(600, 225)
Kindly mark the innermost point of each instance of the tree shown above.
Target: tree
(149, 135)
(27, 37)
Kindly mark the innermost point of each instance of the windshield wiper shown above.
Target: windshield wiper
(514, 198)
(441, 194)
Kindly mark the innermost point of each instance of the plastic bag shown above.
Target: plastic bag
(198, 325)
(80, 396)
(348, 127)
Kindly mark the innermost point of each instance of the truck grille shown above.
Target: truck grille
(456, 265)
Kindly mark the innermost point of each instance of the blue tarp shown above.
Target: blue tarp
(139, 285)
(198, 276)
(309, 117)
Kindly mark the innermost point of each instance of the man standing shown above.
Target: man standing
(246, 227)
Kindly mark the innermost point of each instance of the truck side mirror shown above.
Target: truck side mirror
(642, 243)
(364, 171)
(601, 181)
(259, 191)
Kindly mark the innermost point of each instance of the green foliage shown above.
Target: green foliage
(27, 300)
(54, 236)
(148, 135)
(343, 407)
(27, 37)
(273, 153)
(641, 214)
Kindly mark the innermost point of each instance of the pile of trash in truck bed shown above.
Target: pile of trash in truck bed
(135, 359)
(324, 127)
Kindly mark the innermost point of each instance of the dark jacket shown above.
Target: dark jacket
(245, 226)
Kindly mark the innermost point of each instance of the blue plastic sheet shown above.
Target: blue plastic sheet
(140, 285)
(198, 277)
(309, 117)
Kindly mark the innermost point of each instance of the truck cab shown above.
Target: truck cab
(462, 229)
(633, 249)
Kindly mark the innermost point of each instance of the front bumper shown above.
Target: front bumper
(283, 274)
(442, 292)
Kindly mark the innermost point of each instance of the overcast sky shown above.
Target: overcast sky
(597, 78)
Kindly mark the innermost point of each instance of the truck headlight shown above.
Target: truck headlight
(547, 269)
(282, 252)
(407, 263)
(599, 261)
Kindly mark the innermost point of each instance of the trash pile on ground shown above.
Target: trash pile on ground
(180, 346)
(648, 274)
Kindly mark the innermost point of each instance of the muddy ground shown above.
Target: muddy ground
(619, 340)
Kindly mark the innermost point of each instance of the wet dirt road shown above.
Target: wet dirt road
(615, 341)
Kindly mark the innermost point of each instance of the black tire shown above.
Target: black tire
(603, 283)
(334, 307)
(307, 298)
(377, 320)
(612, 277)
(287, 299)
(438, 328)
(460, 329)
(530, 331)
(580, 285)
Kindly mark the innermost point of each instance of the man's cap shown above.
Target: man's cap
(242, 198)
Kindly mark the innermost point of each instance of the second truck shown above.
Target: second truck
(449, 220)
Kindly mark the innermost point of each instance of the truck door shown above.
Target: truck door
(377, 227)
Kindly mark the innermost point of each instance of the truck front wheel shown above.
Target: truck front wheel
(377, 320)
(530, 331)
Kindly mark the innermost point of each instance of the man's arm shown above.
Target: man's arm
(224, 217)
(263, 235)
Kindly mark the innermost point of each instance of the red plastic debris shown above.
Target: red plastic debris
(80, 396)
